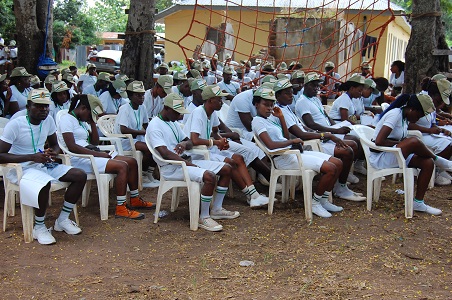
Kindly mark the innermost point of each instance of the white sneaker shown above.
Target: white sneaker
(445, 175)
(265, 182)
(352, 178)
(68, 226)
(224, 214)
(148, 182)
(347, 194)
(440, 180)
(330, 206)
(259, 201)
(318, 210)
(43, 235)
(425, 208)
(209, 224)
(360, 167)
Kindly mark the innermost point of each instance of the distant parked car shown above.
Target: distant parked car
(107, 61)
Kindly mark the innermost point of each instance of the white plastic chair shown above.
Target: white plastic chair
(194, 190)
(106, 124)
(27, 212)
(307, 177)
(223, 113)
(374, 176)
(103, 179)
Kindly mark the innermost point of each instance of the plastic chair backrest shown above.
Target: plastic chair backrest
(106, 124)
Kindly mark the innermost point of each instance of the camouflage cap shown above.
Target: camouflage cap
(33, 80)
(311, 76)
(49, 79)
(166, 82)
(120, 87)
(198, 84)
(282, 84)
(175, 102)
(59, 86)
(136, 87)
(40, 96)
(104, 76)
(298, 74)
(212, 91)
(426, 102)
(20, 72)
(444, 87)
(265, 93)
(69, 77)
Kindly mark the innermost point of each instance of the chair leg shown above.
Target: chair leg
(75, 211)
(286, 188)
(103, 187)
(6, 208)
(231, 190)
(159, 202)
(85, 193)
(194, 198)
(139, 159)
(271, 193)
(175, 196)
(370, 192)
(27, 213)
(307, 196)
(408, 185)
(377, 188)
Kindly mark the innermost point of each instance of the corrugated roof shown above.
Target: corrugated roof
(349, 4)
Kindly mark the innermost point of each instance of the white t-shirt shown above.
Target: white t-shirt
(130, 118)
(68, 123)
(272, 126)
(344, 101)
(87, 80)
(18, 133)
(428, 121)
(199, 123)
(242, 103)
(314, 107)
(290, 117)
(191, 107)
(54, 109)
(251, 75)
(394, 120)
(153, 105)
(397, 82)
(161, 133)
(110, 104)
(187, 100)
(210, 79)
(230, 88)
(20, 98)
(90, 90)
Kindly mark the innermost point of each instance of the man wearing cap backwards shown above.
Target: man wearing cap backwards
(114, 97)
(20, 87)
(392, 131)
(165, 135)
(202, 127)
(332, 145)
(23, 142)
(89, 78)
(242, 111)
(227, 86)
(74, 134)
(101, 85)
(330, 82)
(132, 119)
(182, 87)
(153, 98)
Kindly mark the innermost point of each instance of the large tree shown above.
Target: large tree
(427, 34)
(138, 55)
(31, 17)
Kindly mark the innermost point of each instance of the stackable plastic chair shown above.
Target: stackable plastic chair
(374, 176)
(106, 124)
(306, 175)
(102, 180)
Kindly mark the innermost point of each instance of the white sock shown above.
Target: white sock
(205, 206)
(251, 191)
(219, 197)
(39, 222)
(316, 198)
(67, 208)
(443, 163)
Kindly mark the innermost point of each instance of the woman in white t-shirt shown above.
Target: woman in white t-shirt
(392, 131)
(79, 138)
(60, 98)
(270, 126)
(114, 97)
(436, 138)
(344, 108)
(397, 78)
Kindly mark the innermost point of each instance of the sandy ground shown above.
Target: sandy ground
(356, 254)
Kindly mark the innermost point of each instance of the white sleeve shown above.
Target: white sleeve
(391, 119)
(122, 118)
(242, 106)
(196, 124)
(10, 132)
(66, 123)
(258, 125)
(156, 136)
(302, 107)
(215, 119)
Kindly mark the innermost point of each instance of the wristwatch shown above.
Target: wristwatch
(322, 136)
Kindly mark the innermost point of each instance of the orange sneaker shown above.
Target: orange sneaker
(139, 203)
(123, 212)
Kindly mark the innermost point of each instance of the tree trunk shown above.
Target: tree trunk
(31, 29)
(427, 33)
(137, 59)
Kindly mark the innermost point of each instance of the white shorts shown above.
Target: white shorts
(126, 143)
(249, 151)
(174, 172)
(85, 164)
(435, 143)
(329, 147)
(312, 160)
(386, 160)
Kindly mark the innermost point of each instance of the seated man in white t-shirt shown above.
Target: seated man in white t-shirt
(153, 98)
(165, 135)
(23, 142)
(132, 119)
(182, 87)
(242, 111)
(100, 86)
(89, 78)
(202, 126)
(232, 88)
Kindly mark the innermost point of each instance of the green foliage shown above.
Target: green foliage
(72, 25)
(446, 8)
(163, 4)
(109, 15)
(7, 20)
